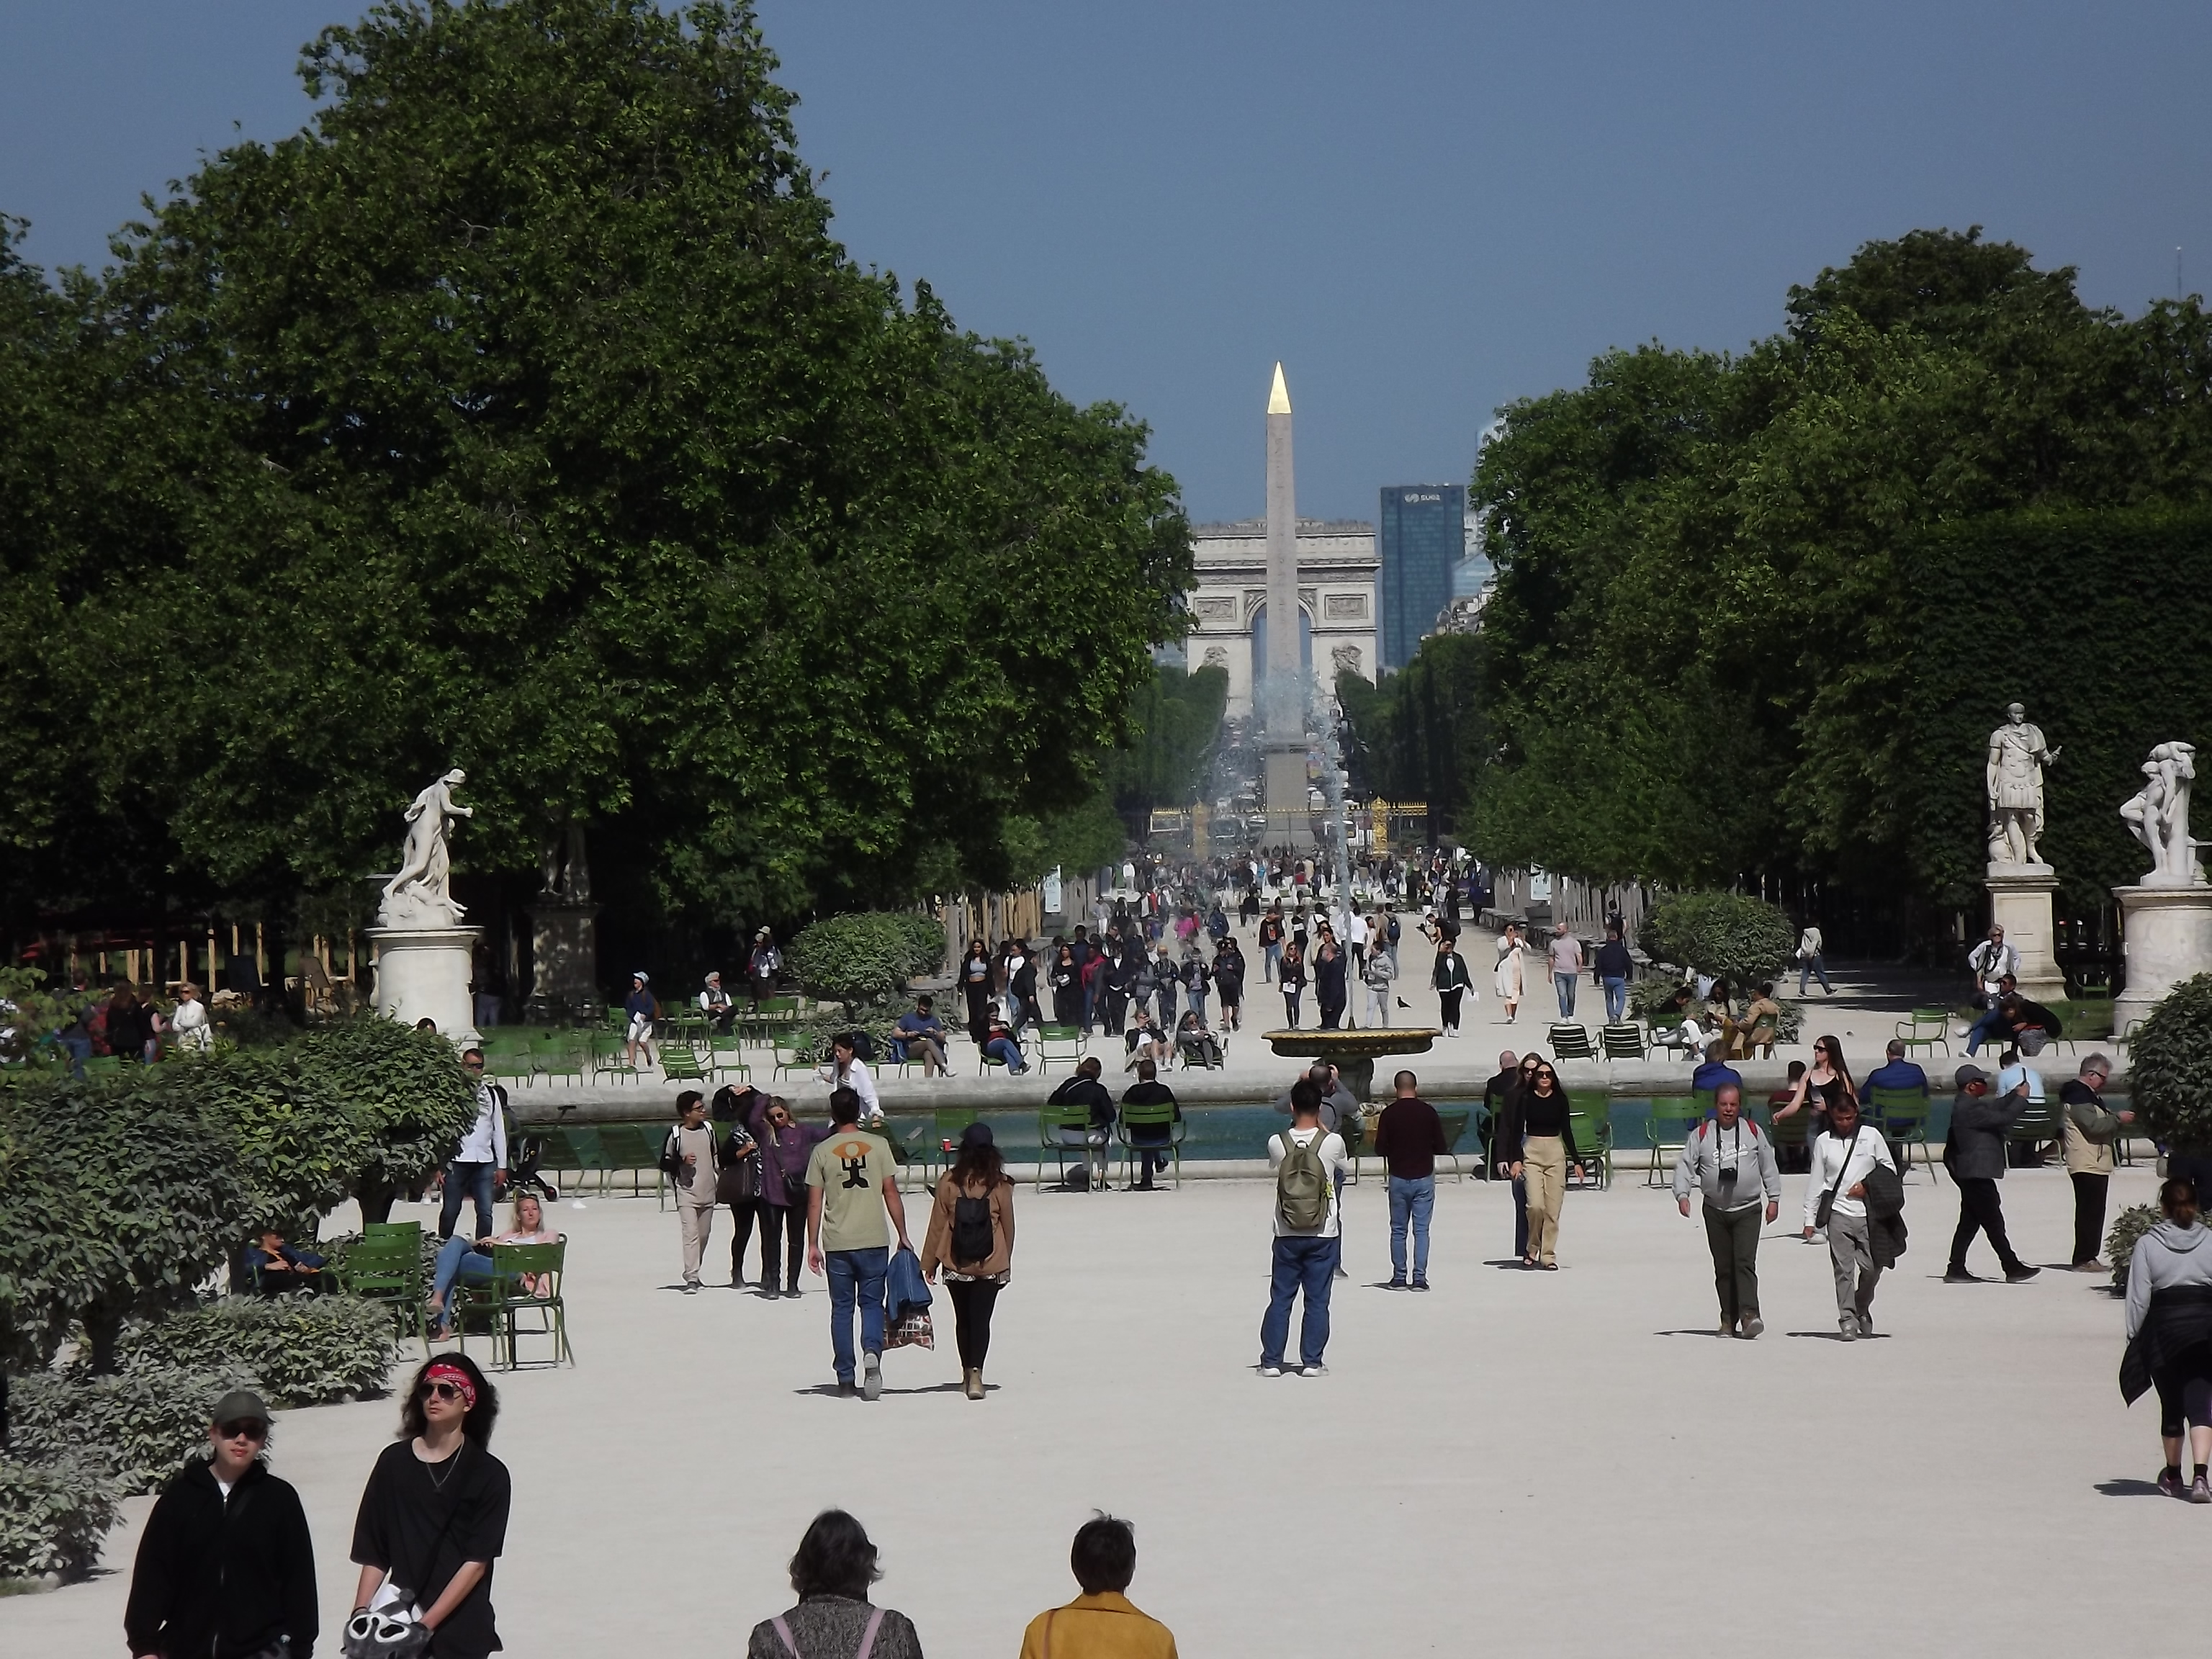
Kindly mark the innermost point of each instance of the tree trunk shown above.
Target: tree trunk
(376, 1195)
(104, 1331)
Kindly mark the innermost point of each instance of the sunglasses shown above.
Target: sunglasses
(245, 1429)
(443, 1390)
(472, 1066)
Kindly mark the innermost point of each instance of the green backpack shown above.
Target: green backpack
(1303, 1186)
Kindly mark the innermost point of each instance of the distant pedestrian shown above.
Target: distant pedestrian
(786, 1148)
(642, 1010)
(975, 975)
(1271, 941)
(691, 1158)
(1511, 975)
(1101, 1623)
(188, 1025)
(2089, 1127)
(225, 1565)
(2169, 1325)
(1565, 955)
(1409, 1137)
(1835, 1199)
(1974, 1150)
(1495, 1160)
(1329, 977)
(971, 1236)
(831, 1575)
(852, 1193)
(763, 964)
(1614, 967)
(1379, 974)
(433, 1518)
(1291, 980)
(1308, 1162)
(1731, 1164)
(1810, 960)
(845, 1069)
(1450, 977)
(1539, 1137)
(1229, 981)
(478, 1166)
(1197, 981)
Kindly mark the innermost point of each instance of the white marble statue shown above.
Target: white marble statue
(420, 894)
(2158, 815)
(2014, 778)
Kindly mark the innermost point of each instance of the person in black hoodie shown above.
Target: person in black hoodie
(226, 1566)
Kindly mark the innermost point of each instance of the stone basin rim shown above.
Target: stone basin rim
(1373, 1041)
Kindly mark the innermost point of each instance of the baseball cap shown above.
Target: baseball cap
(1970, 1074)
(239, 1405)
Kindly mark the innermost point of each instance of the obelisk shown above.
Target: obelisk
(1283, 705)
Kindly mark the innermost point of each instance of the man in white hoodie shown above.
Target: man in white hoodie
(1840, 1159)
(2169, 1323)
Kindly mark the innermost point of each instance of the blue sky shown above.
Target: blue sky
(1424, 210)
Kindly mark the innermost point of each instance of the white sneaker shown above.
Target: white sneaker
(872, 1377)
(1271, 1370)
(1313, 1371)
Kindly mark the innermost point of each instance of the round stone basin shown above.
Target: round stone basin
(1354, 1052)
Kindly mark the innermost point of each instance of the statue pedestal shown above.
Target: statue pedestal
(2020, 903)
(1290, 818)
(2166, 932)
(423, 973)
(564, 956)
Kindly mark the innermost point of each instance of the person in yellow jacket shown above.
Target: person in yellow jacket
(1101, 1623)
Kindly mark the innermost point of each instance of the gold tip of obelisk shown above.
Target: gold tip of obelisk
(1279, 400)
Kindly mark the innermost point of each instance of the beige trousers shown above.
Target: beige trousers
(698, 1221)
(1544, 1165)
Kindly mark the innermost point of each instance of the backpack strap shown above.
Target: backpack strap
(868, 1636)
(783, 1635)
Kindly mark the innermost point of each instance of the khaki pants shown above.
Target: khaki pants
(698, 1221)
(1544, 1162)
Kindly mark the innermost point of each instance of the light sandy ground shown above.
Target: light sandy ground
(1516, 1464)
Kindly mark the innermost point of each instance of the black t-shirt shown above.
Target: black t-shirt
(423, 1532)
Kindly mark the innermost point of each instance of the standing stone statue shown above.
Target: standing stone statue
(2014, 778)
(426, 867)
(2158, 814)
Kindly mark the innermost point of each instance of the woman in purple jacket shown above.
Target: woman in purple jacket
(785, 1146)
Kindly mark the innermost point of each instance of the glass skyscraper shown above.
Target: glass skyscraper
(1421, 536)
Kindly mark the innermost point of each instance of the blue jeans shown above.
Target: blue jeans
(79, 1049)
(1564, 984)
(1819, 969)
(1991, 1024)
(1307, 1264)
(456, 1261)
(1269, 955)
(1198, 1005)
(1410, 1200)
(464, 1180)
(1005, 1049)
(1616, 1000)
(855, 1273)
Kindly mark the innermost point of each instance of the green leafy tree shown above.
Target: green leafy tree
(2170, 1068)
(1731, 936)
(865, 958)
(1174, 723)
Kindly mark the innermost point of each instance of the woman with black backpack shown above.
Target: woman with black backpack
(971, 1236)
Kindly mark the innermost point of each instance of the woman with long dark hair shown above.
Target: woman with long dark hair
(971, 1236)
(1538, 1137)
(976, 984)
(1821, 1088)
(831, 1575)
(432, 1518)
(1066, 982)
(1291, 980)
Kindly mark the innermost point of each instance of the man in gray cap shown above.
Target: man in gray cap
(1975, 1151)
(225, 1565)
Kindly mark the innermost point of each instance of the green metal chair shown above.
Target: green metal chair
(1570, 1042)
(503, 1302)
(1064, 1043)
(791, 1059)
(679, 1064)
(1928, 1029)
(1590, 1112)
(608, 1058)
(1903, 1115)
(1161, 1116)
(725, 1057)
(1668, 1130)
(1454, 1126)
(387, 1266)
(2037, 1129)
(1051, 1120)
(1622, 1041)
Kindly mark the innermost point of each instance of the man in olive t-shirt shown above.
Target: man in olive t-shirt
(852, 1193)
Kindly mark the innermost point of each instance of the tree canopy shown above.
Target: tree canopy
(523, 414)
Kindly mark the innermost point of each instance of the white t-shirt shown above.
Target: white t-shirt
(1333, 1160)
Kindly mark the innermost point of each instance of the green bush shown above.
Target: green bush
(2170, 1068)
(1731, 935)
(141, 1426)
(865, 957)
(2127, 1227)
(53, 1515)
(304, 1350)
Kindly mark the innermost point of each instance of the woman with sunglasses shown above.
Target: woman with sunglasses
(226, 1564)
(1828, 1083)
(1538, 1137)
(432, 1518)
(785, 1146)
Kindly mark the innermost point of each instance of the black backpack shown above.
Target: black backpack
(972, 1241)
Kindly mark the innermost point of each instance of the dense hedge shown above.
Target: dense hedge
(865, 957)
(140, 1425)
(2128, 1229)
(302, 1351)
(54, 1516)
(2170, 1066)
(1731, 935)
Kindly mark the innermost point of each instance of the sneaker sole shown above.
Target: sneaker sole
(871, 1385)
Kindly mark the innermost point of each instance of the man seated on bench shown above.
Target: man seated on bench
(1199, 1045)
(276, 1267)
(458, 1260)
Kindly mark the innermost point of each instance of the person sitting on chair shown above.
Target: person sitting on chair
(1145, 1041)
(1149, 1091)
(275, 1266)
(1200, 1046)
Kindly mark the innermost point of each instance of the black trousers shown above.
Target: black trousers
(972, 1302)
(1733, 1237)
(2088, 1216)
(1981, 1211)
(741, 1234)
(1448, 1008)
(783, 1223)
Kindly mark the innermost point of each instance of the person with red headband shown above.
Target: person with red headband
(433, 1520)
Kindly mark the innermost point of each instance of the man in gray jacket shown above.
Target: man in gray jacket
(1733, 1164)
(1975, 1150)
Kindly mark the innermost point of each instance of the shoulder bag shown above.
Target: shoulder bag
(1828, 1199)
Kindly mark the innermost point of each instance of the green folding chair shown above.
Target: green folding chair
(1051, 1120)
(1668, 1130)
(503, 1303)
(387, 1266)
(1590, 1112)
(1903, 1114)
(1161, 1116)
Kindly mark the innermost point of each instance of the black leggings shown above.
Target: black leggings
(788, 1223)
(972, 1300)
(2185, 1389)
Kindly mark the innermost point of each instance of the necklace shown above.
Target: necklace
(449, 1462)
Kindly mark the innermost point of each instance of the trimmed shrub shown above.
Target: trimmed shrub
(865, 957)
(2128, 1227)
(141, 1426)
(53, 1516)
(2170, 1068)
(304, 1350)
(1731, 935)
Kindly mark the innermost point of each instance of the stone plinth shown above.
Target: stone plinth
(423, 973)
(1290, 817)
(2020, 903)
(2167, 934)
(564, 956)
